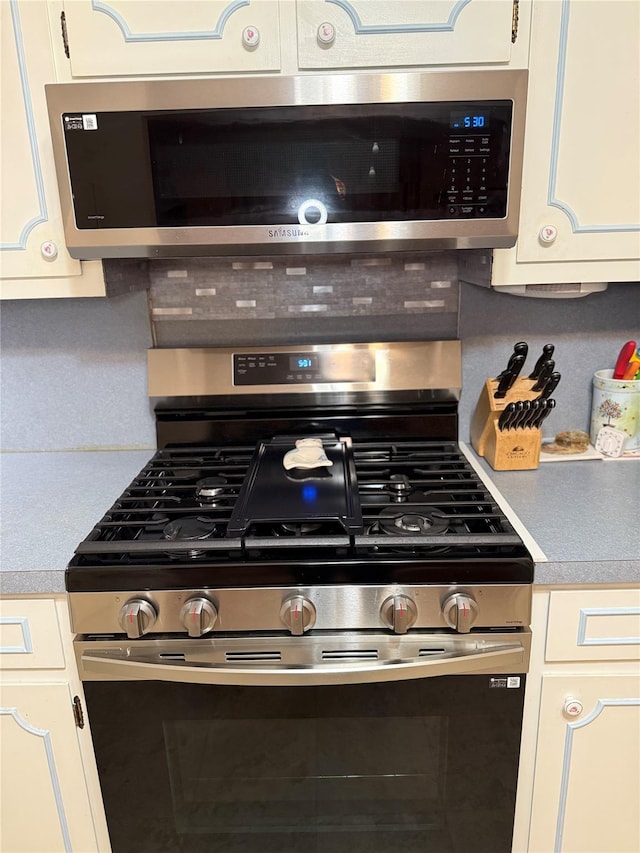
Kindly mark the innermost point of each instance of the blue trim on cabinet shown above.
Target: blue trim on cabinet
(566, 762)
(377, 29)
(585, 612)
(552, 199)
(53, 773)
(129, 37)
(27, 645)
(42, 216)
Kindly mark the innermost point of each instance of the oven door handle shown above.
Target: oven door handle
(494, 659)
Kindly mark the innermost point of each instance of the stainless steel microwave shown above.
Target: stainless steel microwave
(297, 165)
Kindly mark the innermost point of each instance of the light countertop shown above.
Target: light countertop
(582, 515)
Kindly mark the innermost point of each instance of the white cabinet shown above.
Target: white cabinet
(145, 37)
(33, 258)
(50, 795)
(587, 785)
(580, 213)
(584, 692)
(377, 33)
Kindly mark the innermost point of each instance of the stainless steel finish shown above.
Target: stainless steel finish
(298, 614)
(301, 90)
(399, 612)
(293, 661)
(137, 617)
(435, 365)
(198, 615)
(460, 612)
(345, 608)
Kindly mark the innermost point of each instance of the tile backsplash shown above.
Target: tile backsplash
(203, 301)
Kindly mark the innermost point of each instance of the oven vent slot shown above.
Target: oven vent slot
(423, 653)
(248, 657)
(172, 656)
(350, 654)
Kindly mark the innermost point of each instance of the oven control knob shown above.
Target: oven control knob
(460, 612)
(137, 617)
(298, 614)
(198, 615)
(399, 612)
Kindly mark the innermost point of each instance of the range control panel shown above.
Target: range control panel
(303, 368)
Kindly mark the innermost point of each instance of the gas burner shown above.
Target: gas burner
(211, 491)
(297, 528)
(415, 523)
(189, 529)
(400, 487)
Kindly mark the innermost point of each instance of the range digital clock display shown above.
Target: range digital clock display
(303, 362)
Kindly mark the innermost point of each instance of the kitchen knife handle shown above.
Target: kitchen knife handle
(545, 412)
(521, 348)
(516, 367)
(533, 413)
(543, 377)
(550, 386)
(505, 416)
(503, 385)
(547, 352)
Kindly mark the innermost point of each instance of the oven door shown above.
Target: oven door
(426, 764)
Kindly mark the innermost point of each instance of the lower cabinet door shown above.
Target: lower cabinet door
(44, 807)
(587, 777)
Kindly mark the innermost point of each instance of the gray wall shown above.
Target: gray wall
(73, 371)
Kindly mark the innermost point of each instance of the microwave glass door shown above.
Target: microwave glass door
(424, 765)
(280, 166)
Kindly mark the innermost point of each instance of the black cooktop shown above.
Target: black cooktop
(408, 511)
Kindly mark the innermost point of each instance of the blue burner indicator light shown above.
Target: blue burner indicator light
(309, 493)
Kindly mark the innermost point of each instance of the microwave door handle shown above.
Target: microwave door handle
(509, 658)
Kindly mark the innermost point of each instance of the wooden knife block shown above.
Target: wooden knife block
(508, 450)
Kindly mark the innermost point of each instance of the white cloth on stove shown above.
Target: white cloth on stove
(308, 453)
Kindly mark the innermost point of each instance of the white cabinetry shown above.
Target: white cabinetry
(33, 259)
(143, 37)
(377, 33)
(50, 795)
(582, 147)
(585, 786)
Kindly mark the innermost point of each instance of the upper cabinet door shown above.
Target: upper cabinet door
(142, 37)
(580, 199)
(380, 33)
(33, 257)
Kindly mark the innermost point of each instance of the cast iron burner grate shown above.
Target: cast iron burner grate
(429, 479)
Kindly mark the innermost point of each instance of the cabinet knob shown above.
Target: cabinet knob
(548, 234)
(49, 250)
(251, 37)
(572, 707)
(326, 33)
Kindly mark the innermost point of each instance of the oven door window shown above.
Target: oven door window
(426, 765)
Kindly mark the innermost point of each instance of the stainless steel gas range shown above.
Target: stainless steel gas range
(307, 618)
